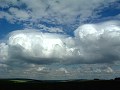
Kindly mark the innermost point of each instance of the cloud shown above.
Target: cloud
(94, 51)
(83, 71)
(3, 52)
(93, 43)
(44, 28)
(99, 42)
(56, 12)
(35, 46)
(19, 14)
(47, 52)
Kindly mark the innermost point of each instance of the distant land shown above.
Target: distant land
(31, 84)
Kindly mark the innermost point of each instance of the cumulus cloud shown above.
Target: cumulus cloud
(93, 43)
(42, 50)
(39, 55)
(101, 39)
(83, 71)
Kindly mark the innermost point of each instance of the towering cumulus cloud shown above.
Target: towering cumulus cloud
(92, 43)
(35, 46)
(100, 43)
(59, 39)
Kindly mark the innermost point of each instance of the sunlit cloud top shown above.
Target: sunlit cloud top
(52, 39)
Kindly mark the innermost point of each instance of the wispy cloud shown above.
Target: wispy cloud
(61, 12)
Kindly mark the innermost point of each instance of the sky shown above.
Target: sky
(60, 39)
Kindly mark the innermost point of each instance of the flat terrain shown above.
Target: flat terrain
(29, 84)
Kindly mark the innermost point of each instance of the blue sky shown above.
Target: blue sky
(103, 14)
(55, 37)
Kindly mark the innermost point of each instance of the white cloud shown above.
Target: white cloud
(19, 14)
(93, 45)
(7, 16)
(44, 28)
(30, 53)
(3, 52)
(36, 45)
(62, 71)
(54, 11)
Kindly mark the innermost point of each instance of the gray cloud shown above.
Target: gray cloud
(84, 71)
(93, 52)
(93, 43)
(52, 11)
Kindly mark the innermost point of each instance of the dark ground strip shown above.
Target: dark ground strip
(49, 85)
